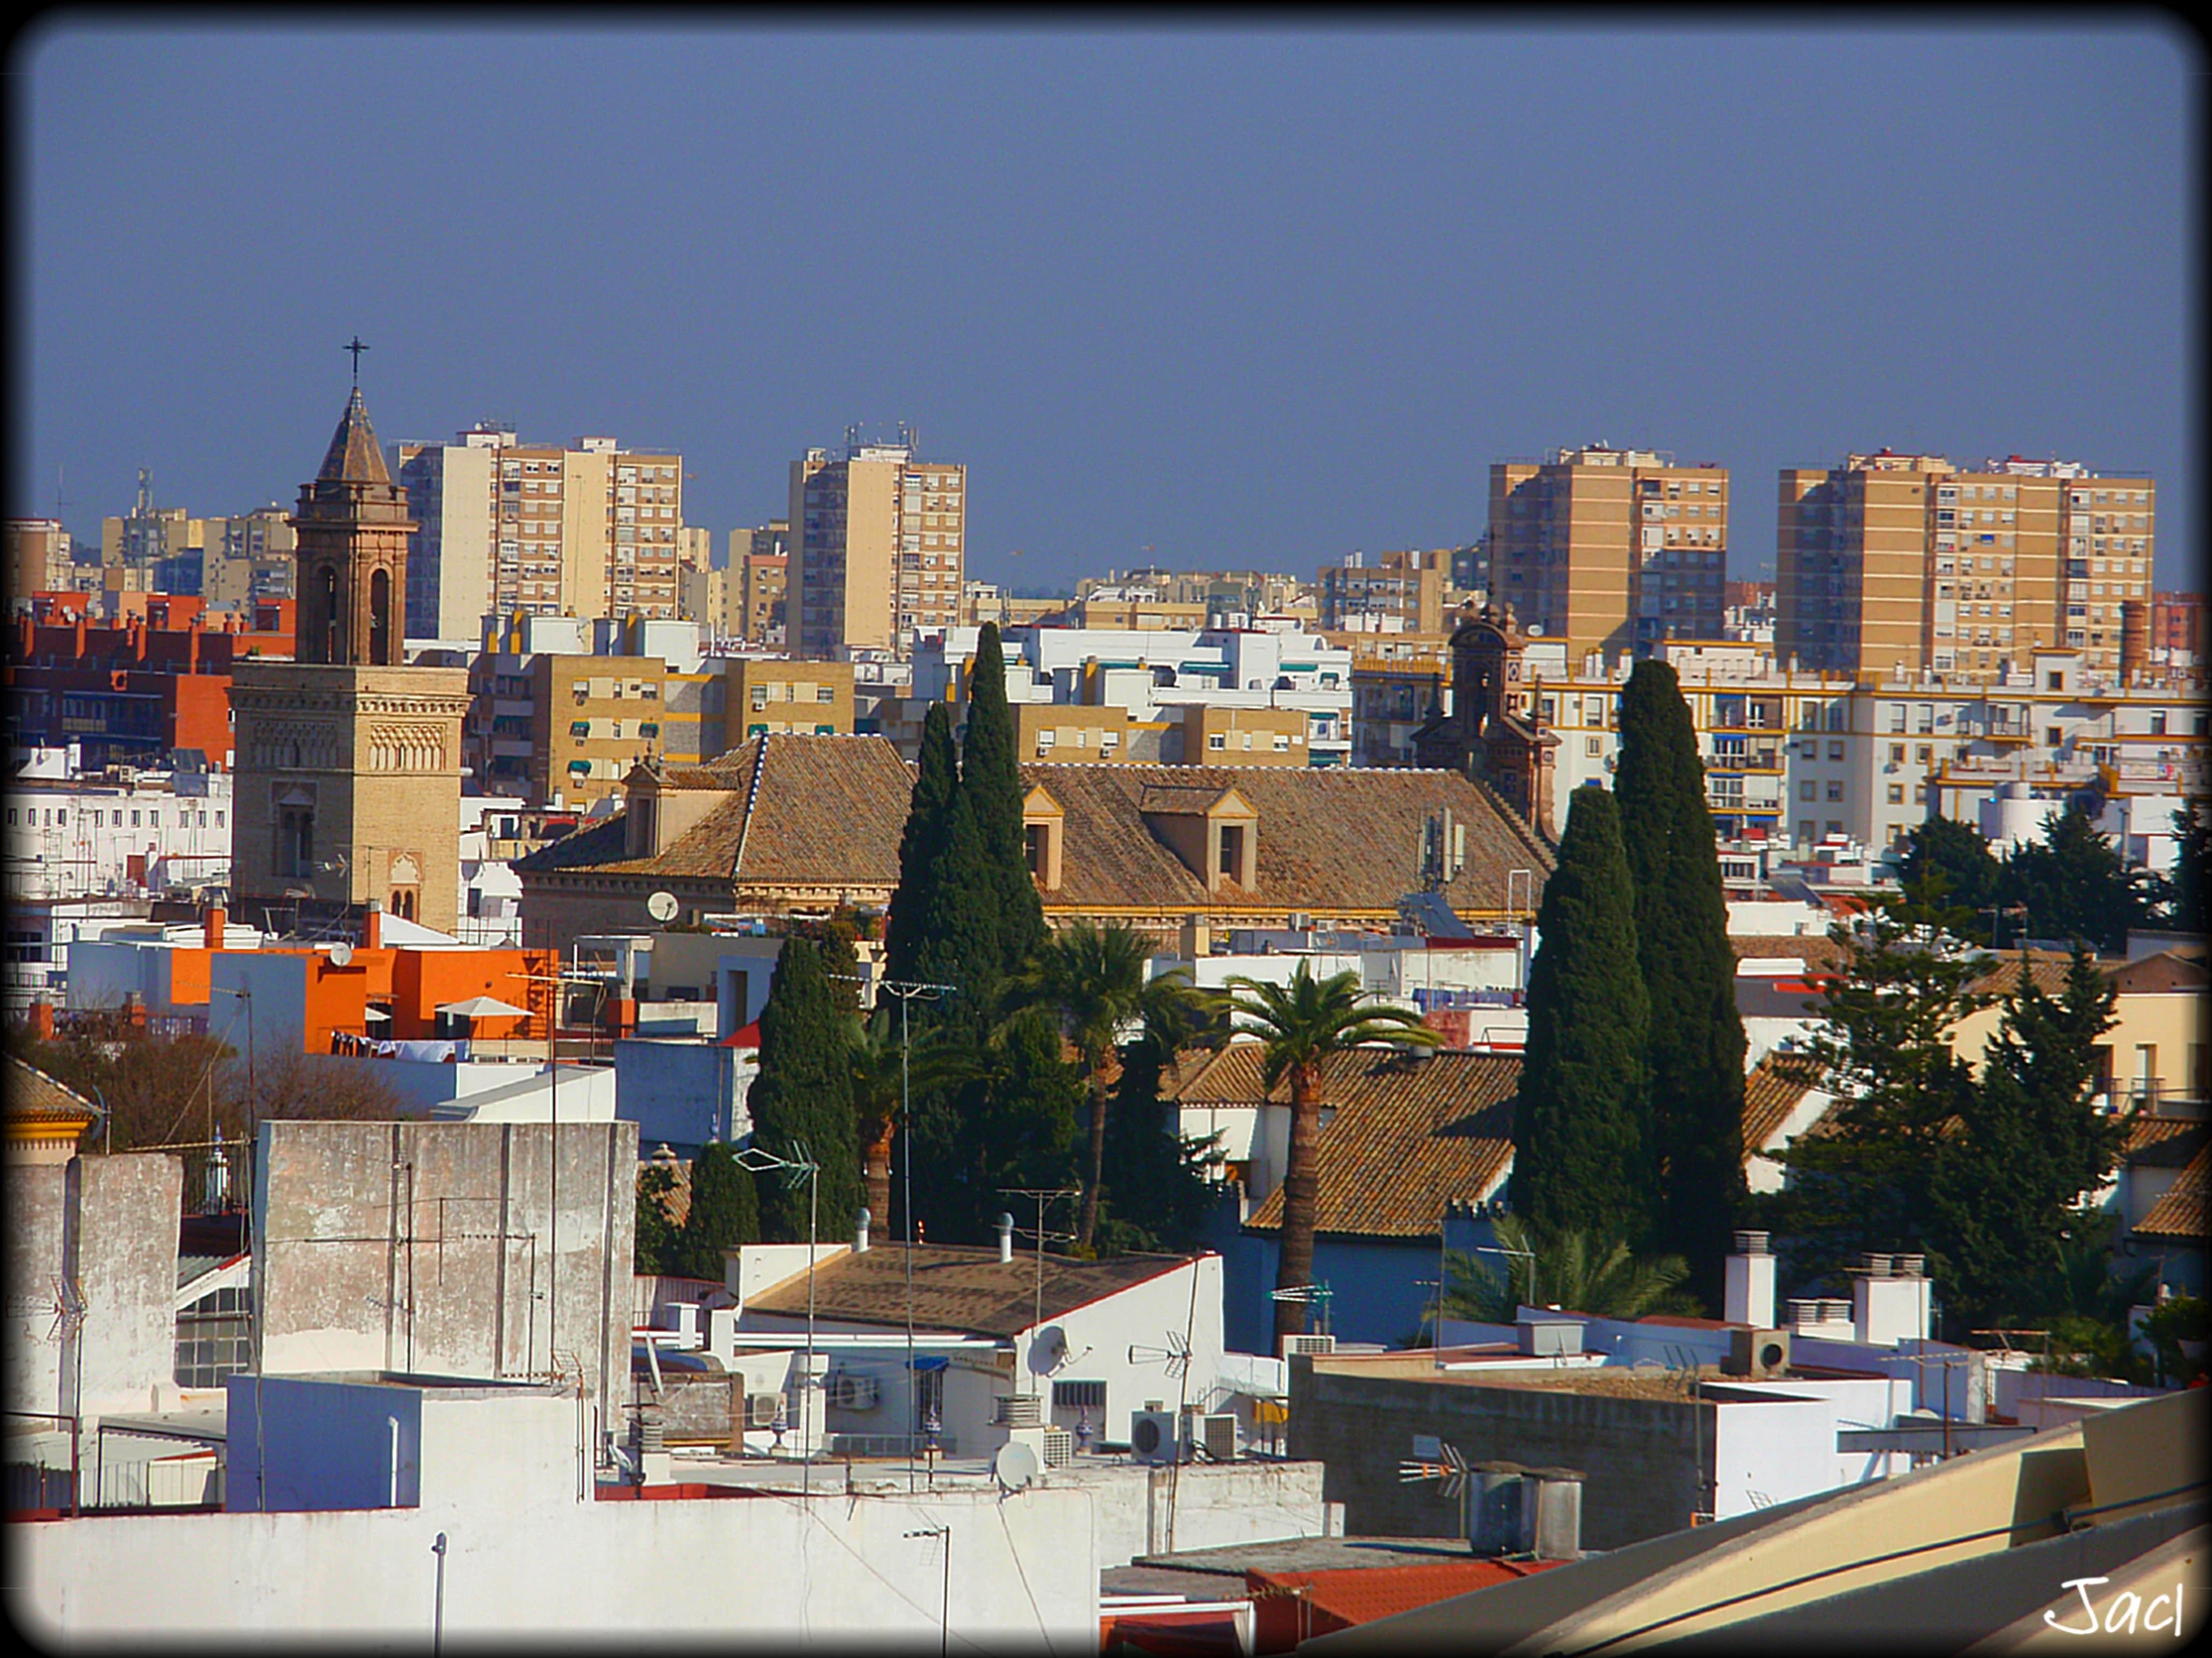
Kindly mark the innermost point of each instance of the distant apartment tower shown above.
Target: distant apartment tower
(878, 548)
(1905, 562)
(40, 556)
(507, 526)
(759, 568)
(1605, 547)
(1399, 592)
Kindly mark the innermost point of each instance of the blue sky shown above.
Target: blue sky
(1242, 296)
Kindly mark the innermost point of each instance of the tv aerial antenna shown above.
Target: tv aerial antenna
(1174, 1357)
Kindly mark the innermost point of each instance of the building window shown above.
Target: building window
(1808, 791)
(1835, 790)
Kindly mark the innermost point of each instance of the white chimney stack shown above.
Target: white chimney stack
(1747, 1292)
(1005, 1237)
(860, 1232)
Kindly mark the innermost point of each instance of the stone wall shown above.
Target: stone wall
(1637, 1456)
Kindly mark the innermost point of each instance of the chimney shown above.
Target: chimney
(1890, 1300)
(1747, 1295)
(372, 926)
(217, 921)
(1005, 1237)
(860, 1232)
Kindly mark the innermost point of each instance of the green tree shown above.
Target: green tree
(2178, 1330)
(922, 844)
(655, 1249)
(1093, 980)
(990, 777)
(803, 1097)
(2180, 893)
(885, 1070)
(1971, 873)
(1570, 1269)
(1011, 1124)
(2076, 885)
(1303, 1025)
(1581, 1154)
(1695, 1049)
(1158, 1186)
(724, 1212)
(1884, 1050)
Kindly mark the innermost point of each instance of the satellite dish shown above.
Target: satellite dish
(662, 906)
(1048, 1350)
(340, 953)
(1015, 1466)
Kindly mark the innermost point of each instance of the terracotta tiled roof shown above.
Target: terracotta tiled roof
(35, 1100)
(828, 811)
(1411, 1134)
(1333, 841)
(2169, 970)
(958, 1289)
(2180, 1212)
(2046, 970)
(1818, 951)
(2147, 1135)
(1770, 1094)
(822, 811)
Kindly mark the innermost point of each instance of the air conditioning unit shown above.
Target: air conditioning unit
(854, 1393)
(1757, 1352)
(1308, 1344)
(1152, 1437)
(1217, 1437)
(762, 1409)
(1060, 1447)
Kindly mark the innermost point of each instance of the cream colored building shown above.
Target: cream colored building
(593, 531)
(1907, 563)
(38, 557)
(1605, 547)
(773, 696)
(878, 548)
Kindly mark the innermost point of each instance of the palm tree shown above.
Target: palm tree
(1094, 979)
(1302, 1025)
(1573, 1269)
(884, 1071)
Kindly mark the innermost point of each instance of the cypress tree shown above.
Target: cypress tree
(991, 777)
(1581, 1160)
(724, 1212)
(1695, 1050)
(803, 1097)
(922, 844)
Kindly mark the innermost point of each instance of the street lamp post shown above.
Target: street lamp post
(795, 1168)
(906, 991)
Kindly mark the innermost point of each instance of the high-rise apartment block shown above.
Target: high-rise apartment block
(507, 527)
(1908, 563)
(1605, 547)
(40, 556)
(878, 548)
(1399, 592)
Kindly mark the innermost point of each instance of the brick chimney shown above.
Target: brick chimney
(217, 920)
(372, 926)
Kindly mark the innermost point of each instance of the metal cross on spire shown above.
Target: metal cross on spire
(355, 346)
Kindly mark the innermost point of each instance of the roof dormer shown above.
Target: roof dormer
(1214, 831)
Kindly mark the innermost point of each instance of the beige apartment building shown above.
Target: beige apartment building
(1605, 547)
(38, 557)
(592, 718)
(1906, 564)
(504, 526)
(879, 545)
(776, 696)
(1399, 592)
(763, 576)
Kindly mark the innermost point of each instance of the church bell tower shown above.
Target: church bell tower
(347, 790)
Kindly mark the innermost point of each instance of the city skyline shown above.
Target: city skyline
(1252, 297)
